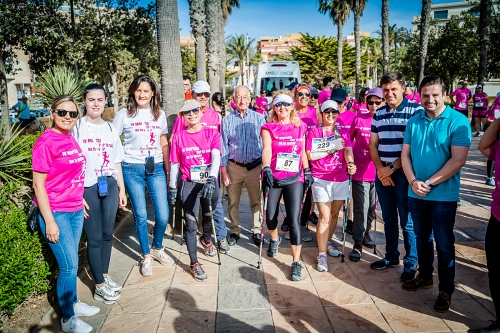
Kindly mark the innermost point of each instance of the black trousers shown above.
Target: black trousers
(493, 261)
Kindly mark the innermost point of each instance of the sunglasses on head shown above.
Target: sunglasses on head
(285, 104)
(62, 113)
(376, 103)
(194, 111)
(304, 94)
(332, 111)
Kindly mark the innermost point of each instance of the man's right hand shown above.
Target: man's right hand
(384, 175)
(225, 177)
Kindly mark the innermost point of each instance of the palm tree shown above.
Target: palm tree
(425, 20)
(385, 35)
(169, 50)
(338, 11)
(237, 46)
(358, 6)
(372, 49)
(227, 9)
(214, 37)
(484, 38)
(197, 20)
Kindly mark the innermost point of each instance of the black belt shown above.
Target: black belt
(243, 165)
(386, 163)
(250, 166)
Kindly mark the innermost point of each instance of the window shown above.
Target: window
(440, 14)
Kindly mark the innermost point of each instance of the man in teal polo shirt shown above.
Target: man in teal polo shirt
(435, 148)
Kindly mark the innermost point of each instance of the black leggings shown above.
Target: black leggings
(99, 227)
(191, 200)
(292, 196)
(493, 261)
(304, 215)
(489, 168)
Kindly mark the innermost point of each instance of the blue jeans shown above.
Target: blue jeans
(393, 201)
(220, 224)
(135, 177)
(436, 217)
(66, 253)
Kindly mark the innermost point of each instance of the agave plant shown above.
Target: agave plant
(60, 81)
(14, 152)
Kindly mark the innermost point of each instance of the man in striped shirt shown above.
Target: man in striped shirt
(386, 144)
(242, 161)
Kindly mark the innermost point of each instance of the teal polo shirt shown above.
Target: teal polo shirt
(430, 143)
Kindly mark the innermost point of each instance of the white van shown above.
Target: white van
(276, 74)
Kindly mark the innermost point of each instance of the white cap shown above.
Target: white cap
(201, 87)
(329, 104)
(282, 98)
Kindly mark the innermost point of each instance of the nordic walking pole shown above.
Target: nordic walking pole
(182, 227)
(266, 196)
(345, 218)
(375, 233)
(304, 200)
(173, 223)
(213, 226)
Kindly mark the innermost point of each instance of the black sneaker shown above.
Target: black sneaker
(493, 328)
(443, 302)
(232, 239)
(296, 274)
(356, 252)
(256, 239)
(367, 241)
(349, 227)
(384, 263)
(272, 251)
(313, 218)
(417, 284)
(407, 276)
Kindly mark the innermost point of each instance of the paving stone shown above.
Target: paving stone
(139, 301)
(476, 285)
(194, 298)
(161, 278)
(464, 316)
(476, 233)
(242, 297)
(301, 320)
(388, 290)
(298, 295)
(340, 293)
(244, 321)
(132, 323)
(357, 318)
(469, 249)
(187, 321)
(240, 274)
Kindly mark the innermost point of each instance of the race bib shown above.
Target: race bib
(288, 162)
(200, 173)
(323, 144)
(479, 104)
(462, 105)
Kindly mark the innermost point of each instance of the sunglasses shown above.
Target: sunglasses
(332, 111)
(285, 104)
(206, 94)
(304, 94)
(315, 96)
(194, 111)
(62, 113)
(376, 103)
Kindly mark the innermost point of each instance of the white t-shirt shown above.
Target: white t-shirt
(101, 145)
(141, 135)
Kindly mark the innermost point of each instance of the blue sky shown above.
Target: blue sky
(282, 17)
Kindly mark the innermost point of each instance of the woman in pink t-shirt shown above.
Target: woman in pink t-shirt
(490, 117)
(363, 181)
(261, 103)
(479, 108)
(359, 105)
(196, 154)
(58, 181)
(329, 151)
(285, 171)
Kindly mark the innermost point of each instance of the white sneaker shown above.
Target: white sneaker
(162, 257)
(147, 266)
(105, 294)
(85, 310)
(75, 325)
(112, 284)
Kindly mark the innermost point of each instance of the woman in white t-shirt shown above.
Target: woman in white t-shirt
(144, 128)
(104, 188)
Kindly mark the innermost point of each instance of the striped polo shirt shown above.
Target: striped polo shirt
(390, 125)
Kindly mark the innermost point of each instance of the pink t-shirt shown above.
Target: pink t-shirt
(310, 117)
(491, 111)
(495, 156)
(192, 149)
(209, 118)
(360, 134)
(324, 95)
(359, 107)
(262, 103)
(286, 139)
(332, 167)
(414, 96)
(462, 96)
(480, 102)
(345, 120)
(60, 157)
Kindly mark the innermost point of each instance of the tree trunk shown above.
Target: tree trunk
(339, 51)
(4, 101)
(357, 16)
(214, 29)
(242, 70)
(484, 38)
(169, 50)
(385, 35)
(425, 19)
(367, 74)
(222, 66)
(115, 92)
(375, 76)
(197, 21)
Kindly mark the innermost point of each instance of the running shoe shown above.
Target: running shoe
(233, 239)
(477, 135)
(75, 325)
(490, 181)
(112, 284)
(272, 251)
(332, 250)
(356, 252)
(493, 328)
(306, 237)
(367, 241)
(210, 250)
(287, 235)
(105, 294)
(322, 263)
(147, 266)
(313, 218)
(223, 246)
(296, 274)
(384, 263)
(84, 310)
(162, 257)
(198, 272)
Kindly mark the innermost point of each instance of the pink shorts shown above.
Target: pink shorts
(479, 112)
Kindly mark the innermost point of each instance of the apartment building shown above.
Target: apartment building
(271, 47)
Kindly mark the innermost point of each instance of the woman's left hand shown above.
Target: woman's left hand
(86, 207)
(122, 199)
(351, 168)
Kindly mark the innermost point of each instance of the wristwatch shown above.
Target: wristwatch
(428, 183)
(393, 168)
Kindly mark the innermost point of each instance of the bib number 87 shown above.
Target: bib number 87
(288, 163)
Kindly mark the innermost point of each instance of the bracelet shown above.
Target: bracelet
(413, 182)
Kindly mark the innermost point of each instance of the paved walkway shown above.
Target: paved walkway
(350, 297)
